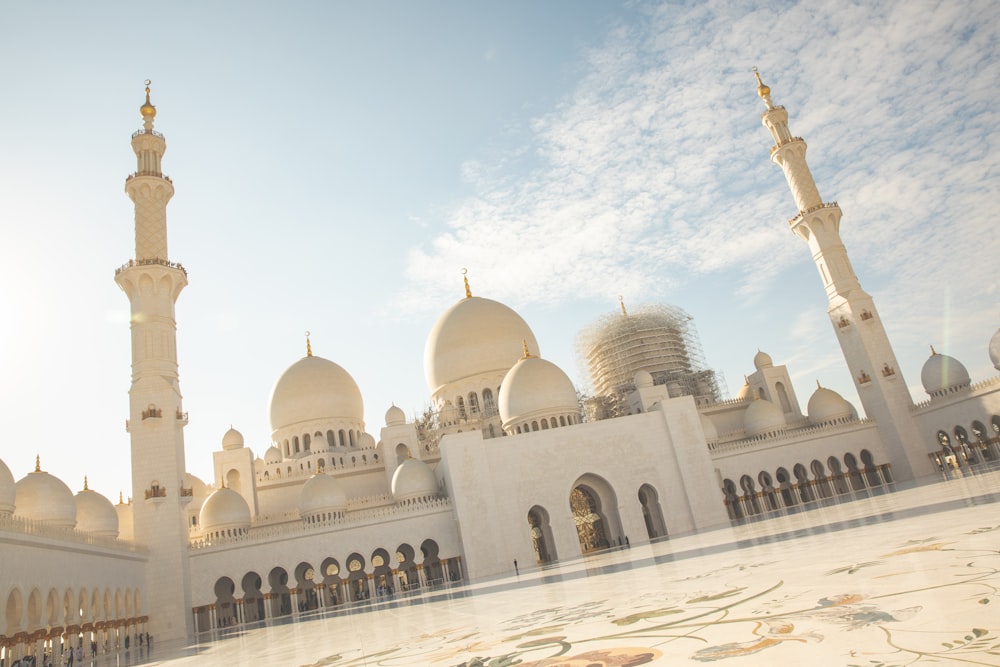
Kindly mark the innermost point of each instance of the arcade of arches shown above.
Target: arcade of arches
(593, 507)
(334, 584)
(784, 490)
(47, 625)
(963, 448)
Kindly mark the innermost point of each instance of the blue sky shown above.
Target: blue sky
(338, 164)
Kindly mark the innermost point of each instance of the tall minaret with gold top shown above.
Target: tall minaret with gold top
(156, 416)
(877, 376)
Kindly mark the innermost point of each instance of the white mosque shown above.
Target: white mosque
(504, 468)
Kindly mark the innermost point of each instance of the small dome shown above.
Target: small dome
(272, 455)
(643, 379)
(366, 441)
(762, 360)
(314, 388)
(198, 488)
(744, 391)
(826, 405)
(763, 416)
(474, 337)
(41, 497)
(995, 350)
(126, 529)
(942, 373)
(413, 479)
(233, 439)
(536, 388)
(224, 510)
(708, 426)
(95, 514)
(7, 492)
(394, 416)
(322, 494)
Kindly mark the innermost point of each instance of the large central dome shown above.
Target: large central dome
(474, 337)
(315, 388)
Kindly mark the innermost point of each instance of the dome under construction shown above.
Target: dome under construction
(657, 338)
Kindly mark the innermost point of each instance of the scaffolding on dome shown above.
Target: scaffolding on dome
(658, 338)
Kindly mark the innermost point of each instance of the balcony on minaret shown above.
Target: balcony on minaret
(843, 322)
(155, 494)
(152, 412)
(182, 417)
(866, 315)
(864, 378)
(801, 214)
(155, 261)
(785, 142)
(187, 495)
(888, 371)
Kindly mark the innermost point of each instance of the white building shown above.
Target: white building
(503, 470)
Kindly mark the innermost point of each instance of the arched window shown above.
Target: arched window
(306, 441)
(295, 444)
(460, 402)
(350, 434)
(786, 405)
(343, 438)
(489, 405)
(473, 404)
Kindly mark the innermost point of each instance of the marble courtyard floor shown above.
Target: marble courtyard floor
(904, 578)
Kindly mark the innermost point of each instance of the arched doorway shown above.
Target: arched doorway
(652, 514)
(541, 535)
(331, 582)
(304, 582)
(592, 502)
(281, 598)
(253, 598)
(225, 605)
(433, 571)
(357, 580)
(382, 573)
(409, 577)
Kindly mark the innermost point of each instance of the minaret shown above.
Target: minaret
(156, 417)
(877, 376)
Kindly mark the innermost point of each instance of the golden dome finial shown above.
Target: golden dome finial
(85, 487)
(309, 348)
(465, 279)
(933, 351)
(147, 110)
(524, 345)
(818, 385)
(121, 500)
(38, 463)
(621, 302)
(762, 90)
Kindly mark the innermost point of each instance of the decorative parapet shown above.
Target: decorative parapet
(276, 475)
(951, 392)
(294, 527)
(152, 132)
(801, 214)
(779, 437)
(155, 261)
(866, 315)
(730, 401)
(16, 524)
(785, 143)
